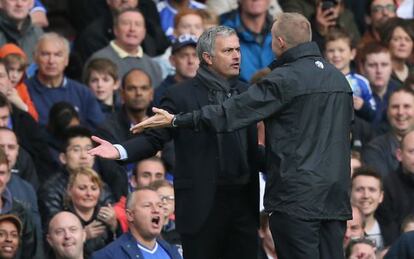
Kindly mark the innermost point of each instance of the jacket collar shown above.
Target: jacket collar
(201, 92)
(233, 19)
(407, 177)
(295, 53)
(130, 246)
(7, 198)
(10, 26)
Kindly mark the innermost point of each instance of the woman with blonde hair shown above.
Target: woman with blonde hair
(83, 191)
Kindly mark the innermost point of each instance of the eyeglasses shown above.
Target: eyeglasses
(186, 37)
(167, 198)
(79, 149)
(382, 8)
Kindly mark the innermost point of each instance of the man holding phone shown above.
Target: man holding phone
(323, 14)
(332, 13)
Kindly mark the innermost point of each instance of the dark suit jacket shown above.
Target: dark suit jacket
(197, 159)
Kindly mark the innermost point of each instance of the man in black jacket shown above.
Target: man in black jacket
(399, 189)
(215, 178)
(306, 105)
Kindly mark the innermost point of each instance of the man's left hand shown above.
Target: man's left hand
(161, 119)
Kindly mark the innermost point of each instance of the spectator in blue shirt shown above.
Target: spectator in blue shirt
(50, 85)
(252, 23)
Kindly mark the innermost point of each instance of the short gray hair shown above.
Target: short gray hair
(293, 27)
(52, 36)
(207, 40)
(130, 202)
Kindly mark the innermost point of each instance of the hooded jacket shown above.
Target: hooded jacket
(256, 50)
(21, 87)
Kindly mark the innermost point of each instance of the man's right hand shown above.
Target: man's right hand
(105, 149)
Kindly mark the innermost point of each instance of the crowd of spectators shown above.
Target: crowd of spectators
(71, 69)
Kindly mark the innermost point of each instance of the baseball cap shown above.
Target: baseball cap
(182, 41)
(14, 219)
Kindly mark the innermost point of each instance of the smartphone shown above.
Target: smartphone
(328, 4)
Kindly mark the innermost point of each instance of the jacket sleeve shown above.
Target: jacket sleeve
(257, 103)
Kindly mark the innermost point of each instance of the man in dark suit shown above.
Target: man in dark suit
(216, 180)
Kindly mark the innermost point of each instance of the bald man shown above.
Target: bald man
(66, 236)
(144, 211)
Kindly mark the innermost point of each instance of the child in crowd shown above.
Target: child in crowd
(102, 77)
(340, 51)
(16, 63)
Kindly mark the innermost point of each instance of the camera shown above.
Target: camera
(328, 4)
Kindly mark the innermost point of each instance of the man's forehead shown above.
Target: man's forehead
(379, 57)
(147, 196)
(150, 166)
(365, 179)
(228, 39)
(401, 98)
(64, 220)
(52, 42)
(80, 140)
(137, 78)
(376, 2)
(7, 136)
(131, 16)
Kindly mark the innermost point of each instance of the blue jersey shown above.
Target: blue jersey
(156, 253)
(360, 87)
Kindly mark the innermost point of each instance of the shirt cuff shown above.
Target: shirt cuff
(184, 120)
(123, 155)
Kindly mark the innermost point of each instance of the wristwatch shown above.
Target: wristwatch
(173, 122)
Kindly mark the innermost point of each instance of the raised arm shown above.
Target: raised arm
(104, 149)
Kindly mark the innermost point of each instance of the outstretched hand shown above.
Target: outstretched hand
(161, 119)
(105, 149)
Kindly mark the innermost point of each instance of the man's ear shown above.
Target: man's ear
(117, 84)
(134, 182)
(353, 53)
(398, 154)
(172, 60)
(130, 217)
(207, 58)
(281, 42)
(62, 158)
(48, 239)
